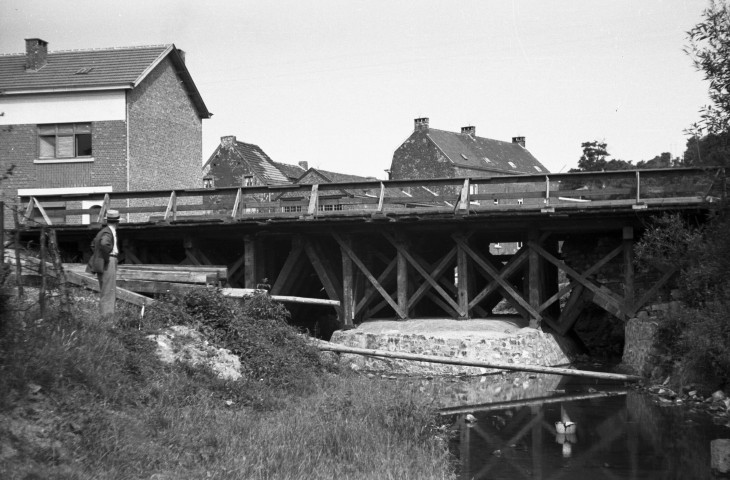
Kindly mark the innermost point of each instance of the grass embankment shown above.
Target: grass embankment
(80, 399)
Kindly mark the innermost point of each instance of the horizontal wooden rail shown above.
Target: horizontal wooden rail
(629, 189)
(333, 347)
(247, 292)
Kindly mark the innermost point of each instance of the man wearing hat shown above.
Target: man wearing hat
(103, 263)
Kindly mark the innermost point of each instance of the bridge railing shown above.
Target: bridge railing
(634, 189)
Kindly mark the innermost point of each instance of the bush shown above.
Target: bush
(256, 329)
(695, 338)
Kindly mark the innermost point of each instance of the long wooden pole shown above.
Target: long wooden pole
(331, 347)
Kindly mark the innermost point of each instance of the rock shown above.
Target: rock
(470, 418)
(720, 455)
(718, 395)
(180, 343)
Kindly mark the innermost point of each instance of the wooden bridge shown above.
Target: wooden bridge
(547, 244)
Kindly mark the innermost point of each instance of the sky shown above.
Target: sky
(338, 83)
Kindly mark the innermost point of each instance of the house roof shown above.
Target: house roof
(470, 151)
(292, 172)
(107, 69)
(259, 163)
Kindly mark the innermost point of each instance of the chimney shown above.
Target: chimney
(228, 141)
(182, 54)
(36, 53)
(519, 140)
(421, 124)
(304, 165)
(471, 130)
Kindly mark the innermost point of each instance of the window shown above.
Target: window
(330, 208)
(208, 182)
(512, 164)
(64, 140)
(248, 180)
(292, 208)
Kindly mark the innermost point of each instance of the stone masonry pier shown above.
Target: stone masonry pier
(503, 341)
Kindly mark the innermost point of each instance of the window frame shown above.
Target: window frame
(77, 129)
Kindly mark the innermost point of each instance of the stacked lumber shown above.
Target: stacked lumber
(164, 279)
(30, 267)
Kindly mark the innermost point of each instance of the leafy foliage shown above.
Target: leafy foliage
(255, 329)
(595, 159)
(695, 337)
(709, 48)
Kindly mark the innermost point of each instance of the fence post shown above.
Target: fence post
(16, 241)
(60, 274)
(2, 240)
(42, 291)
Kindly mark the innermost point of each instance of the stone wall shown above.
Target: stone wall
(641, 355)
(526, 346)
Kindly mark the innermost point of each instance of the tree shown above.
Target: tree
(594, 159)
(711, 149)
(709, 48)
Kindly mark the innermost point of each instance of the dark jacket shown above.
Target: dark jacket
(101, 247)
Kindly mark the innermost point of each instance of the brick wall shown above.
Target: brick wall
(18, 146)
(165, 134)
(417, 158)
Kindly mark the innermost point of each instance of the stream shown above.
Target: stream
(505, 428)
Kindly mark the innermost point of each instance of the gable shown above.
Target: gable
(480, 153)
(89, 70)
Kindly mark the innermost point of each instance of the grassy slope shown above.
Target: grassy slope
(84, 400)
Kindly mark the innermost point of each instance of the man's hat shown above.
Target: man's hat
(112, 216)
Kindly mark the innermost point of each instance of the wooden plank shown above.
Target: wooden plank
(220, 270)
(313, 197)
(348, 292)
(513, 266)
(572, 310)
(494, 273)
(380, 198)
(436, 272)
(402, 281)
(292, 268)
(424, 274)
(607, 298)
(534, 277)
(237, 210)
(369, 276)
(652, 291)
(462, 267)
(333, 347)
(585, 275)
(381, 280)
(43, 212)
(249, 262)
(323, 269)
(87, 281)
(168, 276)
(247, 292)
(628, 248)
(171, 211)
(156, 287)
(104, 207)
(464, 197)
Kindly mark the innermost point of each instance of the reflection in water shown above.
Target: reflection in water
(583, 430)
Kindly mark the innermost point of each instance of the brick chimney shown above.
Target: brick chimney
(304, 165)
(470, 130)
(519, 140)
(36, 53)
(228, 141)
(421, 124)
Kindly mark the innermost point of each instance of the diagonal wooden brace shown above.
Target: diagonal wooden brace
(424, 274)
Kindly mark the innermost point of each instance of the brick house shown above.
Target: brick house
(432, 153)
(102, 120)
(235, 163)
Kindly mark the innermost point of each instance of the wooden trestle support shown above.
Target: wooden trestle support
(416, 274)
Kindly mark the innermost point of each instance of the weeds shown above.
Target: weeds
(81, 400)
